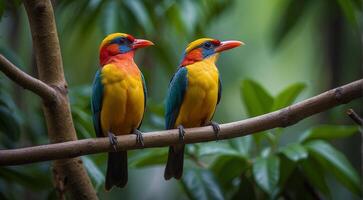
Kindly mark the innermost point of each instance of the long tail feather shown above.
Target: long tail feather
(116, 174)
(174, 166)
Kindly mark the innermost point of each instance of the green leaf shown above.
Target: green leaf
(16, 3)
(287, 168)
(358, 4)
(175, 18)
(97, 177)
(2, 8)
(335, 162)
(242, 144)
(256, 99)
(228, 167)
(82, 121)
(327, 132)
(315, 174)
(271, 138)
(3, 100)
(110, 21)
(287, 96)
(149, 157)
(82, 132)
(349, 12)
(266, 171)
(28, 177)
(9, 125)
(3, 194)
(87, 19)
(156, 108)
(258, 138)
(52, 195)
(294, 152)
(246, 189)
(141, 14)
(217, 149)
(290, 18)
(298, 187)
(8, 5)
(200, 184)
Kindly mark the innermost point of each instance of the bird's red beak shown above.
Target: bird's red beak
(230, 44)
(140, 43)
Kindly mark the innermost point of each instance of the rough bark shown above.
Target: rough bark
(69, 173)
(280, 118)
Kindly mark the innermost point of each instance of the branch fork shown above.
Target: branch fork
(46, 92)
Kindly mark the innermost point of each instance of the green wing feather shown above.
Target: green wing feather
(175, 96)
(96, 102)
(219, 90)
(145, 94)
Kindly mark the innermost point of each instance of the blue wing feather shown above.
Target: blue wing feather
(97, 95)
(145, 89)
(219, 94)
(219, 90)
(175, 96)
(145, 95)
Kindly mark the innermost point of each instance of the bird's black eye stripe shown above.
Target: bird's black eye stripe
(121, 41)
(208, 45)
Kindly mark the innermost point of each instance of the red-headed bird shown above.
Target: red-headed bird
(118, 99)
(193, 95)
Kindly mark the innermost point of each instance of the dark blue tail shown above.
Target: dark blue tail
(116, 174)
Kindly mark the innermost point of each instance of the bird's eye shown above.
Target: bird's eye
(122, 41)
(207, 45)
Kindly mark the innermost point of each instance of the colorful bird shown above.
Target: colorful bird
(118, 99)
(194, 92)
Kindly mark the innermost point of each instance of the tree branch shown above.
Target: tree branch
(280, 118)
(26, 81)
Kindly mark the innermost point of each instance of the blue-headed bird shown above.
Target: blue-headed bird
(118, 99)
(193, 95)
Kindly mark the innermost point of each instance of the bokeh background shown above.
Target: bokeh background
(310, 45)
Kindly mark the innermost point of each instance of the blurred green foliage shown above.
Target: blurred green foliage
(288, 46)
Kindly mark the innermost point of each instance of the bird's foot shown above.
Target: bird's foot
(181, 133)
(139, 138)
(216, 128)
(113, 140)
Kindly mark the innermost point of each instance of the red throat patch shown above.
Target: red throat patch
(107, 52)
(110, 51)
(103, 55)
(192, 57)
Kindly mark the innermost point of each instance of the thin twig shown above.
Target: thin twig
(358, 120)
(355, 117)
(196, 160)
(280, 118)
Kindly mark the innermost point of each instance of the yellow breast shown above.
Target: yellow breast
(201, 96)
(123, 99)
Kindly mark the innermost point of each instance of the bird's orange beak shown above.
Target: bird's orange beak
(141, 43)
(230, 44)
